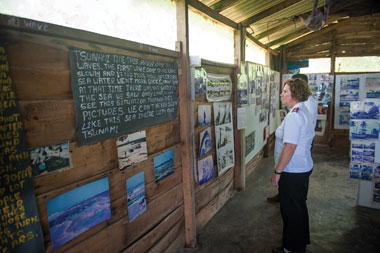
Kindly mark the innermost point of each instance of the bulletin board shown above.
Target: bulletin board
(274, 101)
(257, 109)
(355, 87)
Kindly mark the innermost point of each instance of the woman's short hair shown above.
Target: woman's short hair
(299, 89)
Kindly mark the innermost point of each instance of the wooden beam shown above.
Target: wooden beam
(288, 37)
(212, 14)
(286, 25)
(270, 11)
(186, 123)
(224, 4)
(261, 44)
(275, 29)
(239, 168)
(318, 33)
(332, 72)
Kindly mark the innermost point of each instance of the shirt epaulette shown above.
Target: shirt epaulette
(295, 109)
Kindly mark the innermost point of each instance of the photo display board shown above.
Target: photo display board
(350, 88)
(117, 94)
(258, 104)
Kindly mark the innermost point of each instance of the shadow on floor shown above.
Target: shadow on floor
(248, 223)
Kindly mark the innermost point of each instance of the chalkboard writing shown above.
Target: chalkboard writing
(20, 228)
(116, 94)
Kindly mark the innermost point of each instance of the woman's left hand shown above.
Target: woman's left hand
(275, 179)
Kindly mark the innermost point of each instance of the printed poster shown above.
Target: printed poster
(218, 87)
(224, 138)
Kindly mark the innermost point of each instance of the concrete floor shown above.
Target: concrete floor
(248, 223)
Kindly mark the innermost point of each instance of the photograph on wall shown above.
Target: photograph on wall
(204, 141)
(349, 89)
(356, 155)
(355, 170)
(131, 149)
(258, 86)
(376, 192)
(242, 88)
(74, 212)
(262, 117)
(344, 113)
(249, 143)
(320, 127)
(364, 129)
(205, 169)
(163, 165)
(223, 135)
(368, 156)
(242, 97)
(218, 87)
(204, 115)
(372, 87)
(136, 196)
(364, 110)
(200, 80)
(50, 158)
(322, 108)
(367, 172)
(376, 171)
(222, 113)
(225, 158)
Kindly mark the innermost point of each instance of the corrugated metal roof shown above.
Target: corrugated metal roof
(276, 22)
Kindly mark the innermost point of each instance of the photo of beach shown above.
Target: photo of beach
(136, 196)
(131, 149)
(163, 165)
(74, 212)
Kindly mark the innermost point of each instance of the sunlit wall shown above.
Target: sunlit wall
(357, 64)
(150, 22)
(210, 40)
(254, 53)
(319, 65)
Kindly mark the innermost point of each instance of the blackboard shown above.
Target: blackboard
(19, 225)
(117, 94)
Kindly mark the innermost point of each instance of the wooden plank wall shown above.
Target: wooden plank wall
(211, 196)
(39, 66)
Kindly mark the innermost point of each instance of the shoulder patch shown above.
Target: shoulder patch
(295, 109)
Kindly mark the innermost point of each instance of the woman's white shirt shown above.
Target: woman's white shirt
(297, 128)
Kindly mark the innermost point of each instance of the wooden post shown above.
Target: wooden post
(332, 104)
(187, 123)
(239, 135)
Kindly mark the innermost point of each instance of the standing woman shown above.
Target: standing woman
(293, 165)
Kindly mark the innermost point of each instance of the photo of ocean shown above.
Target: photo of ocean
(136, 196)
(74, 212)
(163, 165)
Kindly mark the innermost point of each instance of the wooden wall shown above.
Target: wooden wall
(211, 196)
(39, 66)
